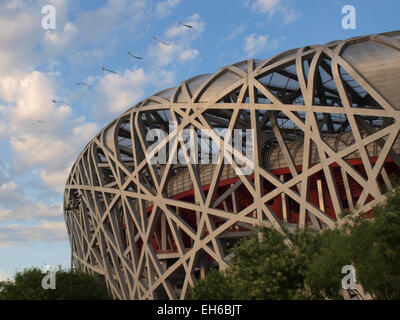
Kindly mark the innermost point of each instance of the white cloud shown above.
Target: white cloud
(37, 160)
(235, 32)
(81, 57)
(60, 40)
(7, 187)
(116, 16)
(16, 206)
(255, 43)
(266, 6)
(22, 39)
(52, 145)
(23, 42)
(180, 39)
(41, 154)
(120, 91)
(14, 235)
(165, 8)
(14, 4)
(55, 180)
(165, 55)
(30, 211)
(10, 193)
(117, 92)
(188, 54)
(272, 7)
(16, 29)
(84, 131)
(290, 15)
(31, 93)
(180, 31)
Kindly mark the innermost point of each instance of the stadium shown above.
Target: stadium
(324, 124)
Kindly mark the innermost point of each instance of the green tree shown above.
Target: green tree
(370, 245)
(311, 266)
(70, 285)
(266, 269)
(323, 264)
(216, 286)
(375, 247)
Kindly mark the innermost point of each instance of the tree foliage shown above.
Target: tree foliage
(70, 285)
(266, 269)
(311, 266)
(370, 245)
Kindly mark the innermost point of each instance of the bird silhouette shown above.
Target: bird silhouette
(84, 84)
(162, 42)
(55, 101)
(38, 121)
(13, 139)
(136, 57)
(186, 25)
(108, 70)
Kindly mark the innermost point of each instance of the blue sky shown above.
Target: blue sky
(37, 66)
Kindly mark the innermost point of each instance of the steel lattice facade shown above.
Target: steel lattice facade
(325, 120)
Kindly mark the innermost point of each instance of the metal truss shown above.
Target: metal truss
(325, 120)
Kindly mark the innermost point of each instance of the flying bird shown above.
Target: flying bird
(164, 43)
(62, 102)
(84, 84)
(105, 69)
(136, 57)
(13, 139)
(186, 25)
(38, 121)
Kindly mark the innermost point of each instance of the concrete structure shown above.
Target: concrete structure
(325, 120)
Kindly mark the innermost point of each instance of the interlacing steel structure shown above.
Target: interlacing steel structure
(325, 124)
